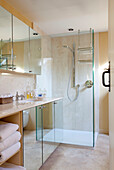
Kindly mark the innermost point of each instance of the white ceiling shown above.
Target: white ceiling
(56, 16)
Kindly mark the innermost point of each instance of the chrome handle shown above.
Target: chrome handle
(42, 107)
(55, 102)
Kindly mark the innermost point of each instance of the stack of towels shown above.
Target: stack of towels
(9, 166)
(9, 140)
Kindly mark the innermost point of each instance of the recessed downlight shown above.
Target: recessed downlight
(35, 33)
(70, 29)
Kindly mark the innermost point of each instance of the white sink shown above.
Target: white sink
(36, 99)
(24, 102)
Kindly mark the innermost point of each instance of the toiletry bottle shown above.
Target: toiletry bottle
(28, 91)
(39, 92)
(44, 92)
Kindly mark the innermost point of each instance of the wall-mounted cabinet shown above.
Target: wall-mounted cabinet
(20, 46)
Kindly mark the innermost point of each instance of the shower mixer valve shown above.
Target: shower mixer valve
(88, 84)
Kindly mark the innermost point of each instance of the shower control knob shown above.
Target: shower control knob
(88, 84)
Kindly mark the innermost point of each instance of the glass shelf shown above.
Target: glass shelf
(6, 55)
(86, 50)
(84, 61)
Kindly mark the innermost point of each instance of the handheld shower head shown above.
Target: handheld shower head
(66, 46)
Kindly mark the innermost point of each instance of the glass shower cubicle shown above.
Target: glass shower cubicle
(72, 121)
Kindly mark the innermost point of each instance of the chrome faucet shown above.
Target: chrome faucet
(19, 96)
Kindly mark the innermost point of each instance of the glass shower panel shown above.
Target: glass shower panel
(84, 117)
(58, 114)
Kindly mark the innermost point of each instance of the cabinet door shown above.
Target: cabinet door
(5, 39)
(33, 138)
(35, 52)
(39, 135)
(48, 131)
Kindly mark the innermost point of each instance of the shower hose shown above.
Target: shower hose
(77, 87)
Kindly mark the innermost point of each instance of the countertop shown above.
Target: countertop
(16, 106)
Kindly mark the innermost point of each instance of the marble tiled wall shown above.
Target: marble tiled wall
(44, 81)
(11, 83)
(77, 115)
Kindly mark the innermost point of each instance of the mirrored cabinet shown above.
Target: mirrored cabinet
(20, 45)
(5, 39)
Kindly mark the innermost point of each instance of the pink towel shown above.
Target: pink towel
(6, 154)
(11, 140)
(9, 166)
(7, 129)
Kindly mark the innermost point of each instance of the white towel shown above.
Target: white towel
(11, 140)
(7, 129)
(6, 154)
(9, 166)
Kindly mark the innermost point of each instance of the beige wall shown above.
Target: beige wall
(111, 94)
(104, 98)
(11, 83)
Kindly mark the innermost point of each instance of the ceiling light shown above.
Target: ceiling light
(70, 29)
(35, 33)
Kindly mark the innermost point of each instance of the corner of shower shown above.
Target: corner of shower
(76, 122)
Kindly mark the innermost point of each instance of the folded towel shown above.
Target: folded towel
(11, 140)
(6, 154)
(7, 129)
(9, 166)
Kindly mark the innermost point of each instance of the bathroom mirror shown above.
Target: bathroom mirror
(20, 46)
(5, 39)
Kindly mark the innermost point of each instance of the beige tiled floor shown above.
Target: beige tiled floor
(67, 157)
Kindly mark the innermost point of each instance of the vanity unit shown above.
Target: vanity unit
(46, 122)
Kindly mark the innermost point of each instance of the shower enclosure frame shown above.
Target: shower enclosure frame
(92, 136)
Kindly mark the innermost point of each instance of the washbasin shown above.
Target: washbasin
(29, 101)
(36, 99)
(21, 102)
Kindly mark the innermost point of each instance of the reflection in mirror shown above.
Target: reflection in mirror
(5, 39)
(20, 44)
(27, 48)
